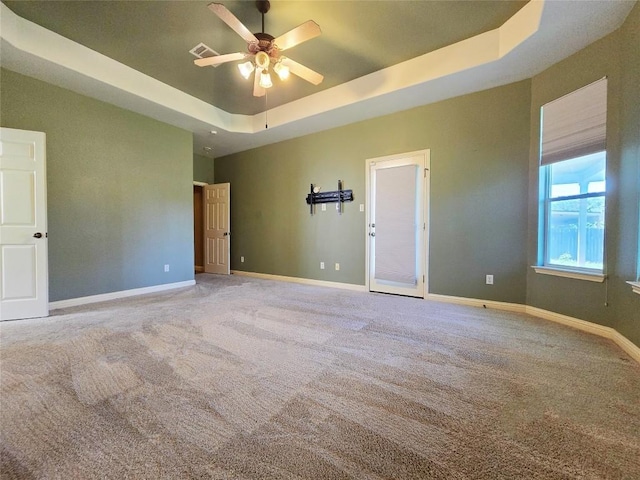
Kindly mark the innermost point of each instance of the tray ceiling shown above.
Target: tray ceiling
(368, 52)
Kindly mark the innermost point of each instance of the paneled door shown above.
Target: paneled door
(23, 225)
(397, 224)
(217, 228)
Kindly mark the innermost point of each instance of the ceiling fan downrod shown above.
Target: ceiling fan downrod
(263, 7)
(265, 41)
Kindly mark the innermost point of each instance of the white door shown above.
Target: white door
(216, 232)
(23, 225)
(397, 223)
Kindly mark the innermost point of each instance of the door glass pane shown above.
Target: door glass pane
(395, 224)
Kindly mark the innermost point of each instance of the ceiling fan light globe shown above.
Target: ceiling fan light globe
(262, 60)
(245, 69)
(281, 70)
(265, 80)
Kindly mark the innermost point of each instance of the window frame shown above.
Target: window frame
(547, 200)
(577, 126)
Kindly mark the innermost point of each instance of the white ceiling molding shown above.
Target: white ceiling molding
(540, 34)
(452, 59)
(33, 50)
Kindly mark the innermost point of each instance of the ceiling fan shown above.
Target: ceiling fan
(264, 51)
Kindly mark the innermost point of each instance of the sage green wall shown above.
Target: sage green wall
(203, 169)
(119, 190)
(626, 304)
(478, 205)
(611, 303)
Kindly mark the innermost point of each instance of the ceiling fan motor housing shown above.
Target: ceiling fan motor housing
(265, 44)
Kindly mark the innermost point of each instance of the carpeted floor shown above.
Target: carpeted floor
(254, 379)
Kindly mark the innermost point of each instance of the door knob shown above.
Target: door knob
(37, 235)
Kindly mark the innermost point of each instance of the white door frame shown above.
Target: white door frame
(426, 154)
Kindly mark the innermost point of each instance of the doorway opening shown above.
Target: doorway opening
(198, 228)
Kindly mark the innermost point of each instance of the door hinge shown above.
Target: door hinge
(425, 172)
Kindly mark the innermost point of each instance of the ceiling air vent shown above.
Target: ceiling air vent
(202, 51)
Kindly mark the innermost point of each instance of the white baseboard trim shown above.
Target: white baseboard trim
(576, 323)
(74, 302)
(304, 281)
(476, 302)
(627, 345)
(607, 332)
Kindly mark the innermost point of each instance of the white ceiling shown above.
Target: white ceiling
(537, 36)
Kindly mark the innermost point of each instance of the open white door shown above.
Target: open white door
(23, 225)
(397, 223)
(216, 231)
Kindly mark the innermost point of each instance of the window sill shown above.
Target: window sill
(635, 286)
(568, 273)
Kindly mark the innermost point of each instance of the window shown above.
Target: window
(574, 212)
(573, 179)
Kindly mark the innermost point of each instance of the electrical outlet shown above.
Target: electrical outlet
(241, 259)
(324, 207)
(321, 265)
(489, 280)
(166, 268)
(337, 266)
(362, 207)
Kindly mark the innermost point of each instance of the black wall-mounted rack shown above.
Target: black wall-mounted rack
(339, 196)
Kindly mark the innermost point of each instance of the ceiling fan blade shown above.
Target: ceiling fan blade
(303, 72)
(301, 33)
(218, 59)
(230, 19)
(258, 91)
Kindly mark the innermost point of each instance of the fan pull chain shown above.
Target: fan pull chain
(266, 111)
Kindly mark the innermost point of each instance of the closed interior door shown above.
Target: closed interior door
(23, 225)
(397, 224)
(217, 228)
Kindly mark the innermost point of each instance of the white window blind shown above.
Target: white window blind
(575, 125)
(395, 207)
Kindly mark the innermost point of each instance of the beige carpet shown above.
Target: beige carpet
(253, 379)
